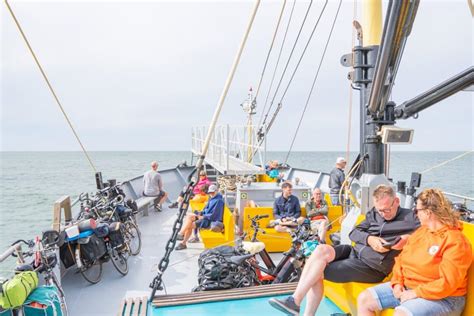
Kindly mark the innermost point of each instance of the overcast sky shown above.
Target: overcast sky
(137, 76)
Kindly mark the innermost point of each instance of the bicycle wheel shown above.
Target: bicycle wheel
(91, 271)
(132, 237)
(62, 297)
(120, 261)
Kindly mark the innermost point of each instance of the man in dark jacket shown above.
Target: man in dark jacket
(286, 209)
(370, 260)
(336, 179)
(212, 214)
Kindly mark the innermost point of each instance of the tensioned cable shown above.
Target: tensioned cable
(351, 92)
(270, 49)
(288, 60)
(277, 63)
(314, 82)
(49, 85)
(296, 68)
(448, 161)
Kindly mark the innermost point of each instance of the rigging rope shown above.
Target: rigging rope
(270, 50)
(50, 86)
(314, 82)
(288, 61)
(277, 63)
(296, 68)
(448, 161)
(349, 123)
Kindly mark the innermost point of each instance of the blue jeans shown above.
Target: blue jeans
(449, 306)
(335, 199)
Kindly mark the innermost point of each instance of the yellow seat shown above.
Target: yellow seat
(274, 241)
(196, 206)
(345, 295)
(265, 178)
(212, 239)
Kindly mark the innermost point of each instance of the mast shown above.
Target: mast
(249, 107)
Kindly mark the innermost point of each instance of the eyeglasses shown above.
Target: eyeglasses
(387, 210)
(416, 210)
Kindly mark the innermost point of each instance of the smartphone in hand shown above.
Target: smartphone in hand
(391, 243)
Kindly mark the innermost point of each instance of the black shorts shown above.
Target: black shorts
(346, 267)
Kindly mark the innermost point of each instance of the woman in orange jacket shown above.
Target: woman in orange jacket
(430, 274)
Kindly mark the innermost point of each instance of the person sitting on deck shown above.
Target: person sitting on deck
(317, 211)
(272, 170)
(286, 210)
(211, 218)
(368, 261)
(430, 274)
(153, 186)
(203, 180)
(201, 197)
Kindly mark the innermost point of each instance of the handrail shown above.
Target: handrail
(463, 197)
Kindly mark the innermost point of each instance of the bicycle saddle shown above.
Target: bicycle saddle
(239, 259)
(253, 247)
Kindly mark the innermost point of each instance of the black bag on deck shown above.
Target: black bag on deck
(94, 249)
(67, 255)
(217, 272)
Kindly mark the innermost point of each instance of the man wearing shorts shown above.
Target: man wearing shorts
(153, 186)
(368, 261)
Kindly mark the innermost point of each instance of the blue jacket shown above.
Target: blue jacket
(286, 208)
(214, 209)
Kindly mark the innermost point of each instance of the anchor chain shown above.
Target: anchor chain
(157, 283)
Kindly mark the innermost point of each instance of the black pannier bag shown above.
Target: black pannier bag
(218, 272)
(94, 249)
(116, 235)
(66, 253)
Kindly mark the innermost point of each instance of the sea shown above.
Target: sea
(30, 182)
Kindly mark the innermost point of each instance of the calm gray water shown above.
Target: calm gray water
(30, 182)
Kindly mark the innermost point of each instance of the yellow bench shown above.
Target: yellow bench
(265, 178)
(279, 242)
(345, 295)
(212, 239)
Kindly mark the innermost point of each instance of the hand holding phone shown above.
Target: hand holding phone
(389, 244)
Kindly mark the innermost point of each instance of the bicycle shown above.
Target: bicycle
(45, 260)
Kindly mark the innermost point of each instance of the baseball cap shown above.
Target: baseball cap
(340, 159)
(212, 188)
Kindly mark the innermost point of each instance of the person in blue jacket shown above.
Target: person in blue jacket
(210, 218)
(286, 210)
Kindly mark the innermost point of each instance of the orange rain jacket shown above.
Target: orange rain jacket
(434, 264)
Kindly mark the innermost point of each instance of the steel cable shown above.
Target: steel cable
(314, 82)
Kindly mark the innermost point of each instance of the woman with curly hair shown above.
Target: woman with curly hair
(430, 274)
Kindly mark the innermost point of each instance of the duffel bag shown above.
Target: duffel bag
(16, 290)
(43, 301)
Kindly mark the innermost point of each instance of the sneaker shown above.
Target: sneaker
(194, 240)
(286, 305)
(272, 224)
(180, 246)
(180, 237)
(158, 208)
(173, 205)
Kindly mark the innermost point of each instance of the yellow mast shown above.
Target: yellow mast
(372, 22)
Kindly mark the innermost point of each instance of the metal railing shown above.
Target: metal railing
(230, 143)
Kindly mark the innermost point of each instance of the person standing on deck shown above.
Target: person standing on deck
(153, 186)
(336, 179)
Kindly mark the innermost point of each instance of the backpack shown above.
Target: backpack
(217, 272)
(43, 301)
(16, 290)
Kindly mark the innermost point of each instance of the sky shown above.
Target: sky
(138, 75)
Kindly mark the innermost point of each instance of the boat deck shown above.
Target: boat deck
(180, 277)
